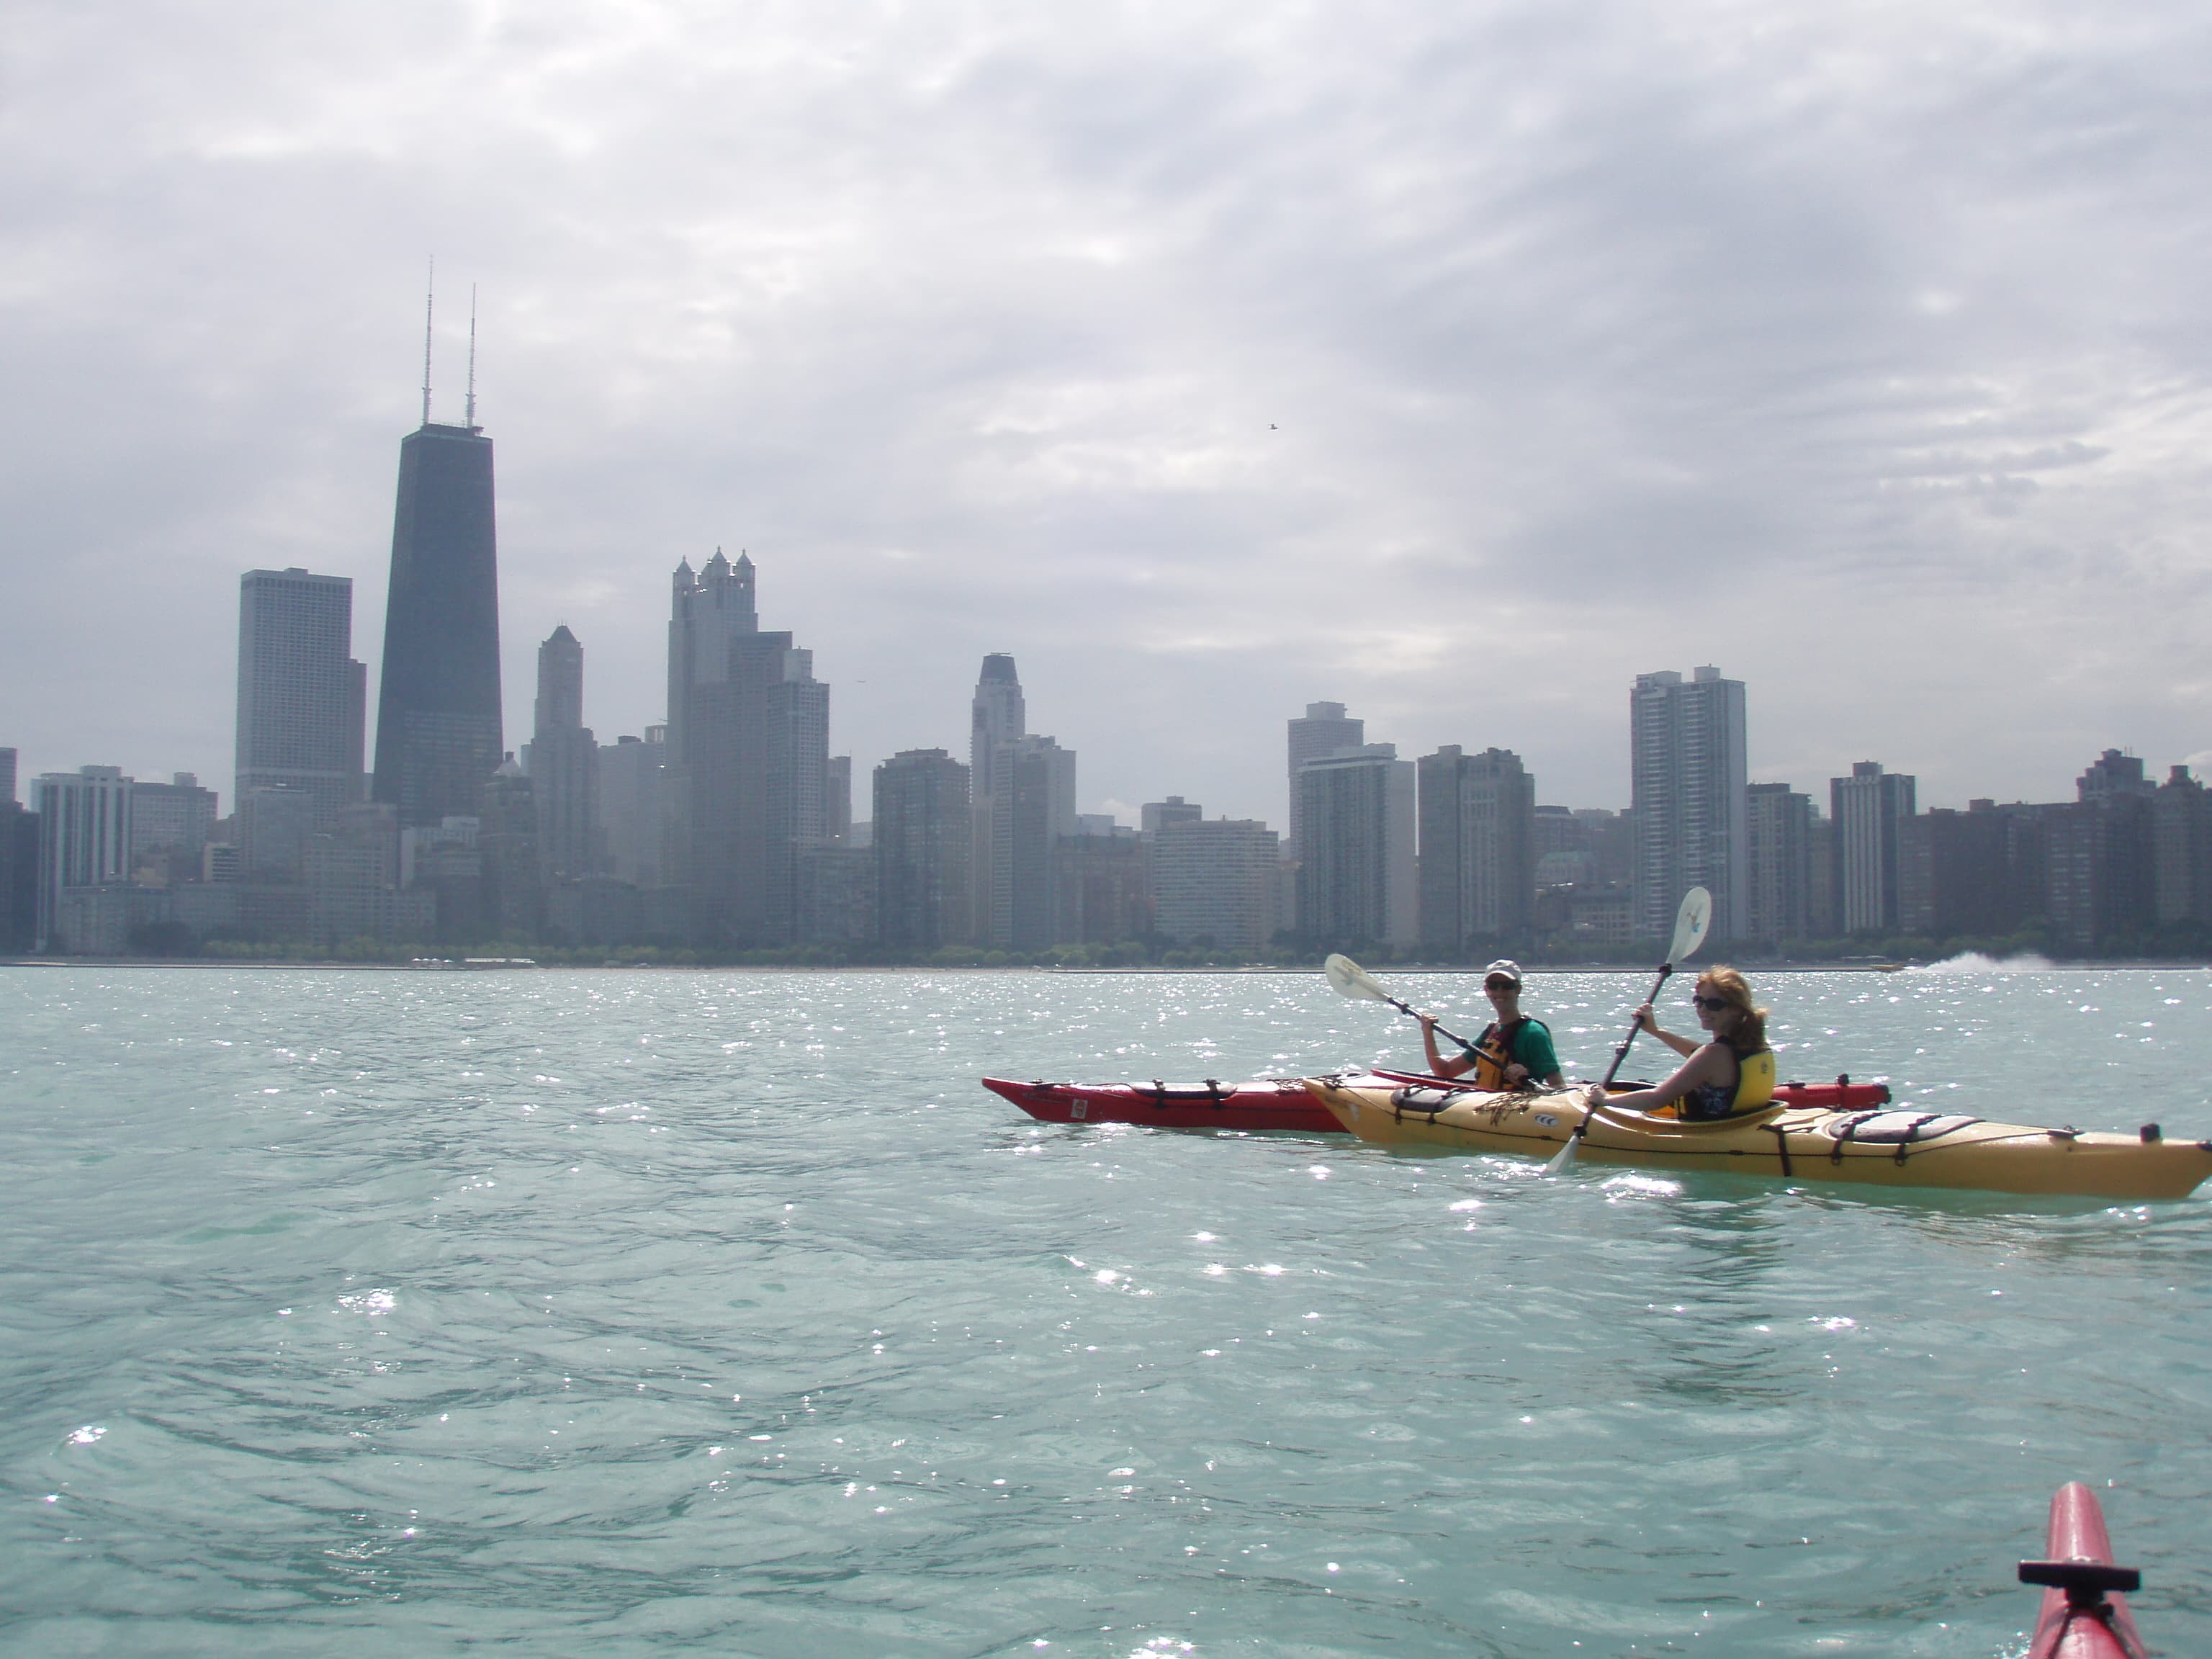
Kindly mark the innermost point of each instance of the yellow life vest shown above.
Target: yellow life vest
(1755, 1080)
(1493, 1053)
(1754, 1088)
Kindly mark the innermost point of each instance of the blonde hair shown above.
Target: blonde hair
(1734, 989)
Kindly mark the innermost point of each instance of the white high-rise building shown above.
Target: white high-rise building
(997, 716)
(1216, 880)
(1325, 729)
(1689, 773)
(301, 696)
(1869, 809)
(84, 838)
(1356, 879)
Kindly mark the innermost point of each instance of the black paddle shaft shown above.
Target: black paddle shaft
(1403, 1009)
(1666, 972)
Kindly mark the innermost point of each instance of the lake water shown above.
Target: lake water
(631, 1313)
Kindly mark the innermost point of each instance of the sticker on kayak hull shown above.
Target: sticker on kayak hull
(1547, 1119)
(1080, 1109)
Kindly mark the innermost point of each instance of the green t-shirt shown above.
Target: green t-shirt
(1530, 1045)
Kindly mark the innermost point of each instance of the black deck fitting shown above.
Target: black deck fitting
(2086, 1582)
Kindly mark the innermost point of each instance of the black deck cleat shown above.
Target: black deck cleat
(2086, 1582)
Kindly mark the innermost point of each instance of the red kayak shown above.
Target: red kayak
(1286, 1103)
(2082, 1616)
(1269, 1103)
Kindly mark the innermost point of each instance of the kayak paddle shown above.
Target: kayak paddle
(1351, 980)
(1690, 924)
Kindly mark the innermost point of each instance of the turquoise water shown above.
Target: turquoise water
(652, 1312)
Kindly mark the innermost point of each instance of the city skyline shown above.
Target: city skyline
(1634, 361)
(1128, 811)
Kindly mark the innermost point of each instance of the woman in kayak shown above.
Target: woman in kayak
(1512, 1049)
(1731, 1072)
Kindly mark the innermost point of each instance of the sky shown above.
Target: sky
(1457, 362)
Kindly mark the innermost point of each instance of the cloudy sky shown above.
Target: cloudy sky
(1455, 362)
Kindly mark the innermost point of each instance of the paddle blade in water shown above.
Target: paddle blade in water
(1351, 980)
(1564, 1160)
(1690, 924)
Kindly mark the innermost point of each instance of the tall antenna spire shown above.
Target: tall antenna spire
(472, 357)
(429, 300)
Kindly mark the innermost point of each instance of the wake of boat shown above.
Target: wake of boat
(1975, 962)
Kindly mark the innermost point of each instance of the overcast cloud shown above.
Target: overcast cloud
(1456, 362)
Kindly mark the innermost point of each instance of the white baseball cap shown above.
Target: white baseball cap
(1504, 968)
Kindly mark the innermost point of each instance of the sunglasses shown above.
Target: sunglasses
(1711, 1004)
(1500, 985)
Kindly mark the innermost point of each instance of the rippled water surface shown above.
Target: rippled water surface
(645, 1312)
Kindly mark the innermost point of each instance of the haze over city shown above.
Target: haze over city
(1458, 368)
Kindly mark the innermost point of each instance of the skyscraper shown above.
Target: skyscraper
(84, 841)
(923, 836)
(1478, 863)
(1100, 878)
(438, 726)
(301, 696)
(1324, 730)
(1869, 808)
(837, 798)
(1688, 773)
(1032, 806)
(1356, 881)
(1778, 825)
(2101, 853)
(563, 764)
(630, 770)
(2181, 849)
(19, 863)
(1156, 814)
(997, 716)
(748, 757)
(1215, 881)
(170, 824)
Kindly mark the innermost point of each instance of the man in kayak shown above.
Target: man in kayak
(1513, 1050)
(1733, 1072)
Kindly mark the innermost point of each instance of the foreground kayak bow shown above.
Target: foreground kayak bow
(2082, 1616)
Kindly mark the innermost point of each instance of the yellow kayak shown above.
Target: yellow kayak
(1889, 1147)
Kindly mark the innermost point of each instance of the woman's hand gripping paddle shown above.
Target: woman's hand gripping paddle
(1351, 980)
(1690, 924)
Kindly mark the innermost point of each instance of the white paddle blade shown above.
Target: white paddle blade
(1564, 1160)
(1690, 924)
(1351, 980)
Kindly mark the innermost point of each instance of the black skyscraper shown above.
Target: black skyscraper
(438, 733)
